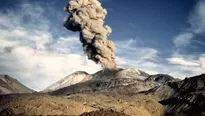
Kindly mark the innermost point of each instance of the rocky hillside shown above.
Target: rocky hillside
(178, 96)
(121, 81)
(80, 77)
(182, 98)
(164, 90)
(162, 78)
(118, 81)
(187, 98)
(10, 85)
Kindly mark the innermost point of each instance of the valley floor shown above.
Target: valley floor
(92, 104)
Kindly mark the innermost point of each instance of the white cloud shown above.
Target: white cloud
(30, 52)
(197, 18)
(183, 39)
(197, 21)
(182, 61)
(130, 49)
(192, 64)
(202, 61)
(130, 54)
(188, 65)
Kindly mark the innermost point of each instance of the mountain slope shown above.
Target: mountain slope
(187, 98)
(122, 81)
(72, 79)
(162, 78)
(163, 91)
(103, 75)
(10, 85)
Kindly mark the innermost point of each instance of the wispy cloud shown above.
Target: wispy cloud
(197, 18)
(130, 54)
(188, 65)
(130, 48)
(193, 63)
(197, 21)
(183, 39)
(182, 61)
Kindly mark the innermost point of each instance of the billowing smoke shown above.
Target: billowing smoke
(87, 17)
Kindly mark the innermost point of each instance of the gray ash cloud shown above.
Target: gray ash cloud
(87, 17)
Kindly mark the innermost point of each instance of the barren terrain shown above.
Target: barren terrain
(80, 104)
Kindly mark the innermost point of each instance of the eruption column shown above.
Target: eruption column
(87, 17)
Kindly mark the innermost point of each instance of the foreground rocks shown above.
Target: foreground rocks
(102, 112)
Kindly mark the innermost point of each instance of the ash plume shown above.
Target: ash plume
(87, 17)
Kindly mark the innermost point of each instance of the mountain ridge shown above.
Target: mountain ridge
(121, 81)
(81, 76)
(179, 97)
(10, 85)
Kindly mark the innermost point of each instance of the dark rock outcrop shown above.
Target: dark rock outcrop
(188, 97)
(162, 78)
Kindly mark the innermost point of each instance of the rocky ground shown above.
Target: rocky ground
(80, 104)
(102, 112)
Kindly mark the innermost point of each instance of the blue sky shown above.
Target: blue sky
(161, 36)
